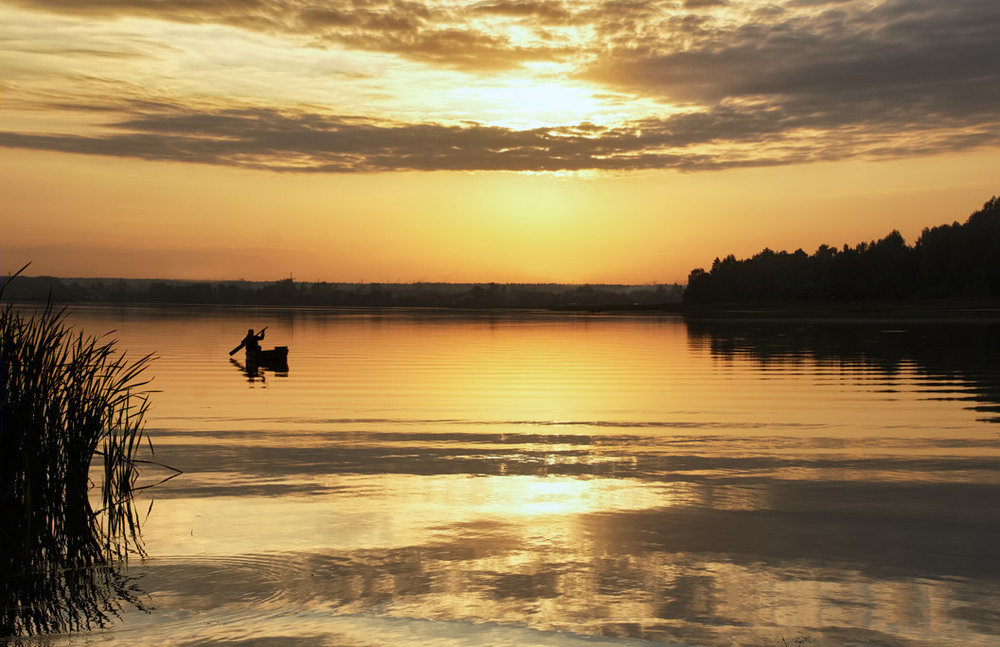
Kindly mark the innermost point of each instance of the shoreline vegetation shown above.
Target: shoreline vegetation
(288, 292)
(71, 414)
(956, 266)
(950, 270)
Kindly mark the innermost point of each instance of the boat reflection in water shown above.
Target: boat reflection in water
(257, 364)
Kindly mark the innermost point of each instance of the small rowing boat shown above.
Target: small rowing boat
(277, 355)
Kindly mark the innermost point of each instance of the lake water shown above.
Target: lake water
(427, 478)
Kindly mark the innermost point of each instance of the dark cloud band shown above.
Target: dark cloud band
(297, 141)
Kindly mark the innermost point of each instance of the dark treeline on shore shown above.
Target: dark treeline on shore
(956, 260)
(297, 293)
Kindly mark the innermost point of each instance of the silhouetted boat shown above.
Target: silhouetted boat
(277, 355)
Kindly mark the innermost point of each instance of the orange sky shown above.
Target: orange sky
(504, 140)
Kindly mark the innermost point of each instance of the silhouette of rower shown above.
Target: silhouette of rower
(251, 342)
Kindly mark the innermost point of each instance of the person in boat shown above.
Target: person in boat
(252, 341)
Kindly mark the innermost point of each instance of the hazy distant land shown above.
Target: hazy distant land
(288, 292)
(949, 266)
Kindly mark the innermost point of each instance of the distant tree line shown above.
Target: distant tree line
(956, 260)
(297, 293)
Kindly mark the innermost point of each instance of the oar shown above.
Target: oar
(233, 352)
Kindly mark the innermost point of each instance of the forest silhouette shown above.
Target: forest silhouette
(956, 260)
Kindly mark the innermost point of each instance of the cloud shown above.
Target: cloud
(310, 142)
(549, 10)
(684, 50)
(912, 62)
(704, 4)
(423, 31)
(723, 83)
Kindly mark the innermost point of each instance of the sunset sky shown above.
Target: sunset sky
(494, 140)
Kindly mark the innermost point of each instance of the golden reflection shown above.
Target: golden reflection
(388, 511)
(548, 376)
(528, 479)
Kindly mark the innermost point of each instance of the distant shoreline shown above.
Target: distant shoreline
(951, 310)
(638, 299)
(958, 308)
(985, 309)
(288, 292)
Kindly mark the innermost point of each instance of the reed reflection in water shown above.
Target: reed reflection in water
(427, 478)
(67, 400)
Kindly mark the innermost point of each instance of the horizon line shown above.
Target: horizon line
(294, 280)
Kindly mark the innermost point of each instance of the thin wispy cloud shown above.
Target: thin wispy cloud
(431, 32)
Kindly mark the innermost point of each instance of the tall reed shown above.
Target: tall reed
(66, 399)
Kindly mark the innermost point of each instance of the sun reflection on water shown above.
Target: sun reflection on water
(531, 479)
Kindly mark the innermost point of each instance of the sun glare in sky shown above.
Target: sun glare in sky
(489, 140)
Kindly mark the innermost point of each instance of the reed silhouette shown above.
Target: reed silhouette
(66, 399)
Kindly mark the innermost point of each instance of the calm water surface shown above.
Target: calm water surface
(533, 479)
